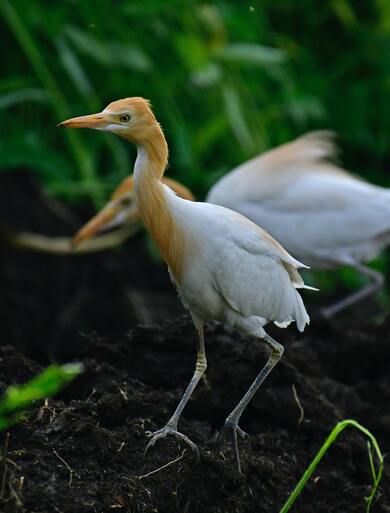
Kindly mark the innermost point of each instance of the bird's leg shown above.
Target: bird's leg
(171, 427)
(376, 282)
(231, 424)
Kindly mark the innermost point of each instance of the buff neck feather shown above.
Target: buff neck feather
(153, 202)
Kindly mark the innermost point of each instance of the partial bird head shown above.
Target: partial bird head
(131, 118)
(118, 212)
(122, 209)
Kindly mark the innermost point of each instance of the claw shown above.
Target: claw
(169, 430)
(233, 429)
(243, 434)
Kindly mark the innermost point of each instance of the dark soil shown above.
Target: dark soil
(47, 300)
(83, 450)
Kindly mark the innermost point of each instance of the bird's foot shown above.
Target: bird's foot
(170, 430)
(232, 430)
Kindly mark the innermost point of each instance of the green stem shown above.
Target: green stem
(328, 442)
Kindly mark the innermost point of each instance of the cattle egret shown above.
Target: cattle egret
(321, 214)
(224, 266)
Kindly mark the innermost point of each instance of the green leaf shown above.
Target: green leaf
(18, 397)
(131, 57)
(28, 152)
(207, 76)
(236, 118)
(90, 46)
(110, 53)
(23, 95)
(250, 53)
(73, 67)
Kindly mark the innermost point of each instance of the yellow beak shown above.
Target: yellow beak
(99, 120)
(95, 225)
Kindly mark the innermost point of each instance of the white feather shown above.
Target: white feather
(321, 214)
(234, 271)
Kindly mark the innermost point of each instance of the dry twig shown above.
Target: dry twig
(300, 407)
(67, 466)
(164, 466)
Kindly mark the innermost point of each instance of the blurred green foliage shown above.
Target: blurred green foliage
(228, 79)
(17, 398)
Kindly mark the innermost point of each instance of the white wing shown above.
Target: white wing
(249, 271)
(328, 215)
(316, 210)
(265, 175)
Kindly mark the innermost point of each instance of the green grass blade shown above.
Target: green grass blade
(19, 397)
(328, 442)
(22, 95)
(377, 476)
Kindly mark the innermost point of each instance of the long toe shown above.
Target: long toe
(226, 432)
(242, 434)
(171, 431)
(231, 431)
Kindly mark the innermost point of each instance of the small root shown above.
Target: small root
(300, 407)
(67, 466)
(162, 468)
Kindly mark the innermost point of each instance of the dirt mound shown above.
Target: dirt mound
(83, 452)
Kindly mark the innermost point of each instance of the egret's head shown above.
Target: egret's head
(120, 210)
(131, 118)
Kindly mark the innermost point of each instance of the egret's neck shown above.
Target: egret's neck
(154, 201)
(152, 157)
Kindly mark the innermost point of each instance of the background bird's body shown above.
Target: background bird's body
(321, 214)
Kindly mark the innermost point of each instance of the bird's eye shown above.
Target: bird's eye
(126, 201)
(124, 118)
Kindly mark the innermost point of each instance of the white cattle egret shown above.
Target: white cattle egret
(224, 266)
(321, 214)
